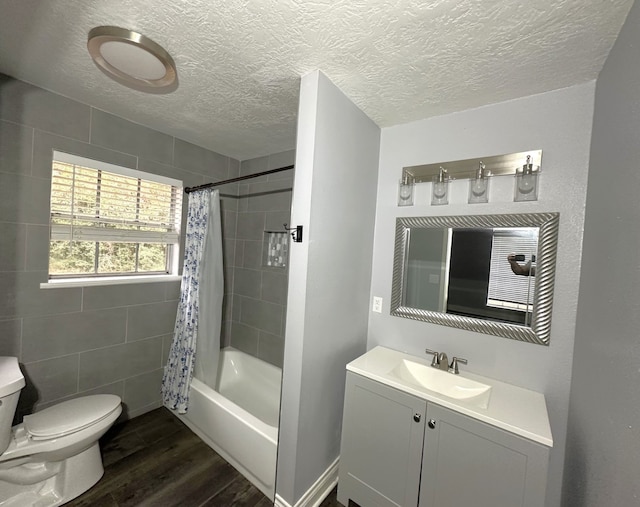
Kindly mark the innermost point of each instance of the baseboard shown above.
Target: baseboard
(318, 491)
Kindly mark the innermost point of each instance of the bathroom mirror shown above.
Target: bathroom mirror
(492, 274)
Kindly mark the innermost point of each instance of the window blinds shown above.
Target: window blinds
(93, 201)
(504, 285)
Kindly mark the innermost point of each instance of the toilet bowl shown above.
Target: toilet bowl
(53, 455)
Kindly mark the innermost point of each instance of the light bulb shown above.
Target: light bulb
(439, 189)
(526, 183)
(479, 187)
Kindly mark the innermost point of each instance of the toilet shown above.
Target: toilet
(53, 455)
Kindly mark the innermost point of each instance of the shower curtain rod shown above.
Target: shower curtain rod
(188, 190)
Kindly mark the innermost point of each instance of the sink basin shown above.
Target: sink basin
(445, 383)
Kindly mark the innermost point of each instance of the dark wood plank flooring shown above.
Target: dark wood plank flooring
(155, 460)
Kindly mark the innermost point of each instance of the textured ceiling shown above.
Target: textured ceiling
(239, 61)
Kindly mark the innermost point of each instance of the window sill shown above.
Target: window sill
(107, 280)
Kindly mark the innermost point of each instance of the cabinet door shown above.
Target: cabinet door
(468, 462)
(382, 437)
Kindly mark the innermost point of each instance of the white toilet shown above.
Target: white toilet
(53, 455)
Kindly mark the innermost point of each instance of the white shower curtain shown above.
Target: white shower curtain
(199, 316)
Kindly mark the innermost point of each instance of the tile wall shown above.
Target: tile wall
(259, 292)
(106, 339)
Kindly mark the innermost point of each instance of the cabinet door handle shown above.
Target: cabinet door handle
(417, 417)
(432, 423)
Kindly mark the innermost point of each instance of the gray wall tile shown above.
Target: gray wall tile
(21, 296)
(111, 296)
(275, 219)
(229, 252)
(45, 143)
(122, 135)
(271, 348)
(245, 338)
(271, 196)
(10, 338)
(250, 226)
(200, 160)
(274, 286)
(151, 320)
(24, 199)
(282, 159)
(16, 148)
(247, 282)
(229, 220)
(252, 256)
(189, 179)
(37, 248)
(262, 315)
(13, 246)
(234, 168)
(166, 348)
(58, 335)
(141, 390)
(116, 388)
(172, 290)
(109, 364)
(254, 165)
(50, 380)
(26, 104)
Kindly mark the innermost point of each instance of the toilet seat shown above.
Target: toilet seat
(70, 416)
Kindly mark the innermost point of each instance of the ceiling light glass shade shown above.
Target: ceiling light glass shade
(526, 183)
(479, 186)
(405, 191)
(440, 188)
(132, 59)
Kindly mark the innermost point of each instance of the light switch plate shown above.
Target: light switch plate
(377, 304)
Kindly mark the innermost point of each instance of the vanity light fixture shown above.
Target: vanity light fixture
(527, 182)
(405, 190)
(440, 188)
(479, 186)
(132, 59)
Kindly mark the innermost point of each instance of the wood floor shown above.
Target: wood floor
(155, 460)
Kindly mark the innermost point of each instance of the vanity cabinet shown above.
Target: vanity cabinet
(400, 450)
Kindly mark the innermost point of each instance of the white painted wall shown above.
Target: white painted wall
(329, 278)
(557, 122)
(603, 440)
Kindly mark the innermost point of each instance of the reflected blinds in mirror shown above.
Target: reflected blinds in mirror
(507, 289)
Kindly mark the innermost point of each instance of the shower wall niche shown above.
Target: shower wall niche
(257, 259)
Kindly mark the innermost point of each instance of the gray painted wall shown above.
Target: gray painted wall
(557, 122)
(74, 341)
(259, 304)
(329, 278)
(603, 440)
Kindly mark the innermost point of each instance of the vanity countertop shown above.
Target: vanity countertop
(514, 409)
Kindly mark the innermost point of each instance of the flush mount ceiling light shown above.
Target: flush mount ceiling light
(132, 59)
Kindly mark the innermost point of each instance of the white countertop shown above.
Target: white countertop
(511, 408)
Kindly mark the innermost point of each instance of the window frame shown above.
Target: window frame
(58, 232)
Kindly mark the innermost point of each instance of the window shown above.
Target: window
(108, 220)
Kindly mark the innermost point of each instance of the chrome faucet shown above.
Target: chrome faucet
(440, 359)
(443, 361)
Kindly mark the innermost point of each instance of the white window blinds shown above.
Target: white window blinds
(505, 287)
(95, 201)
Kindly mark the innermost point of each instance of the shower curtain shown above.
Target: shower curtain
(199, 315)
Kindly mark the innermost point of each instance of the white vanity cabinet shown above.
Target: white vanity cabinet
(402, 450)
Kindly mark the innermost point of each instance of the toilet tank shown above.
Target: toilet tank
(11, 382)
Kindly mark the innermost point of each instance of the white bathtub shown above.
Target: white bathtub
(240, 420)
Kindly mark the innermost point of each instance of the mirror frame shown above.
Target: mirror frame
(540, 330)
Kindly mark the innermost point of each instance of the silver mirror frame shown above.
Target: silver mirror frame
(540, 330)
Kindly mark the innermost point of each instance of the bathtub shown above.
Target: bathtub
(240, 420)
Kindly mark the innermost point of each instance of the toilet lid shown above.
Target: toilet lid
(70, 416)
